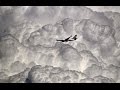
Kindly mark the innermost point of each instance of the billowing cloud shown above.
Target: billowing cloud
(28, 37)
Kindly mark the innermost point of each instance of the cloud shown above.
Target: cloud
(104, 8)
(28, 38)
(101, 79)
(20, 77)
(49, 74)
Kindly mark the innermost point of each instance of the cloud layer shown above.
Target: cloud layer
(29, 51)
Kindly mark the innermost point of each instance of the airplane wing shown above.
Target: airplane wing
(68, 38)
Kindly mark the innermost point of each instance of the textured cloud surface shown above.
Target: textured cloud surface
(29, 52)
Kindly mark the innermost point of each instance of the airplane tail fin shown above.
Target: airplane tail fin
(75, 37)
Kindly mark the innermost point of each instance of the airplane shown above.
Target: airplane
(66, 40)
